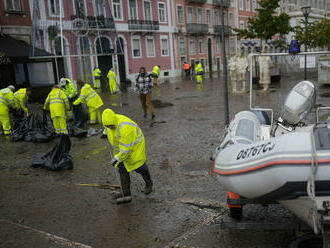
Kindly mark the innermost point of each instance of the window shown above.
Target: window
(54, 7)
(99, 8)
(232, 46)
(161, 12)
(241, 25)
(248, 5)
(13, 5)
(182, 45)
(230, 19)
(19, 73)
(41, 74)
(80, 8)
(180, 14)
(84, 45)
(190, 15)
(132, 10)
(199, 16)
(208, 16)
(116, 5)
(216, 18)
(136, 47)
(192, 45)
(254, 5)
(241, 4)
(225, 18)
(201, 46)
(150, 47)
(147, 10)
(217, 45)
(164, 46)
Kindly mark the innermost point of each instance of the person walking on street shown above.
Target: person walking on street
(92, 100)
(143, 88)
(199, 71)
(155, 73)
(57, 103)
(97, 79)
(7, 101)
(186, 68)
(112, 81)
(129, 151)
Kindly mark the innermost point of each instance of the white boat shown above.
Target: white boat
(286, 161)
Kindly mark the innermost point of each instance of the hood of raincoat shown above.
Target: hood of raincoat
(109, 117)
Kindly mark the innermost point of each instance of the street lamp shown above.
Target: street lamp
(306, 10)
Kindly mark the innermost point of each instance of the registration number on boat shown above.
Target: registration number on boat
(255, 150)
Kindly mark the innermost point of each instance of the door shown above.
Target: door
(209, 46)
(103, 47)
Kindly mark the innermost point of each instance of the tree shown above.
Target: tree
(266, 24)
(318, 33)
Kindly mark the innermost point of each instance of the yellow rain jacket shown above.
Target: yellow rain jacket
(57, 103)
(88, 95)
(69, 88)
(97, 77)
(127, 140)
(21, 99)
(112, 81)
(156, 70)
(7, 100)
(199, 68)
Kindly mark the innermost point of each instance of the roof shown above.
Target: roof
(18, 51)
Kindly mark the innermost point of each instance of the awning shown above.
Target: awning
(17, 51)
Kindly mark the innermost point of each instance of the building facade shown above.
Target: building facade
(197, 34)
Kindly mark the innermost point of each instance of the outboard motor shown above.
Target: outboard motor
(299, 102)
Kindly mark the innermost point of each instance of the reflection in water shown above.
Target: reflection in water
(157, 90)
(199, 86)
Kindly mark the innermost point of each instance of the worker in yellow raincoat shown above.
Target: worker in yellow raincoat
(97, 79)
(57, 103)
(21, 97)
(129, 151)
(112, 81)
(199, 72)
(155, 73)
(7, 101)
(68, 88)
(92, 100)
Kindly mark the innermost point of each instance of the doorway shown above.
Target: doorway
(104, 59)
(209, 46)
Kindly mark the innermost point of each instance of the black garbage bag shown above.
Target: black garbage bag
(80, 113)
(75, 129)
(58, 158)
(17, 115)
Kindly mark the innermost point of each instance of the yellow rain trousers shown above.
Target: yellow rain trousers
(7, 100)
(112, 81)
(57, 103)
(97, 77)
(93, 102)
(127, 140)
(21, 99)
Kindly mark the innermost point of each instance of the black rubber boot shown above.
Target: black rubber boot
(144, 172)
(123, 200)
(125, 182)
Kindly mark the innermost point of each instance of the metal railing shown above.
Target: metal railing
(142, 25)
(218, 29)
(196, 1)
(196, 28)
(96, 22)
(226, 3)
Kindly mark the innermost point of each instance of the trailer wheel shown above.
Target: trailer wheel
(236, 213)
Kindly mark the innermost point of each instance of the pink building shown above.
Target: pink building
(119, 34)
(198, 32)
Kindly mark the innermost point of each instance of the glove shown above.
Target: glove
(114, 162)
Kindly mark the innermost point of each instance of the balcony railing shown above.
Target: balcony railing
(196, 28)
(196, 1)
(143, 25)
(97, 22)
(226, 3)
(218, 29)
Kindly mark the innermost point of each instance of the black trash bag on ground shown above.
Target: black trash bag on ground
(75, 129)
(80, 113)
(33, 129)
(17, 115)
(58, 158)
